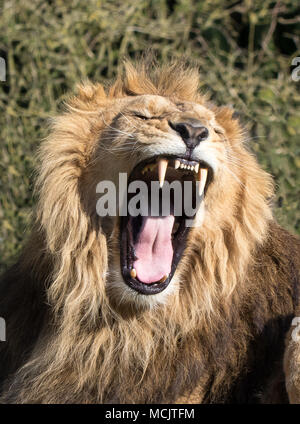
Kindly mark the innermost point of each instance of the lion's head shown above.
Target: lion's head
(152, 128)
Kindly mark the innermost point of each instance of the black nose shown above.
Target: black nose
(192, 131)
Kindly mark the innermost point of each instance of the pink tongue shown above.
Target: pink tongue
(154, 249)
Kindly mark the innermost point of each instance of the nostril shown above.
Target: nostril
(181, 128)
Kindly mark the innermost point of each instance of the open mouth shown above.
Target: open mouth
(152, 245)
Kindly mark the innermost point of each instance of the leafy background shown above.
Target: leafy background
(244, 50)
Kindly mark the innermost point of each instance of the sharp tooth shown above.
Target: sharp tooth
(202, 176)
(163, 279)
(177, 164)
(181, 165)
(133, 273)
(162, 169)
(197, 168)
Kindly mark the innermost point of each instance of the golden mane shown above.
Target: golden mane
(91, 350)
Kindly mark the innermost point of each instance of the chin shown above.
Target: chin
(122, 295)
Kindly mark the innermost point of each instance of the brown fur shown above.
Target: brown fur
(218, 338)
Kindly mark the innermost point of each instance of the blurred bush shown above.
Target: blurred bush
(244, 50)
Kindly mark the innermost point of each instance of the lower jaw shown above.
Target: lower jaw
(126, 265)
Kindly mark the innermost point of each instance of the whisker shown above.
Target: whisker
(128, 120)
(115, 129)
(245, 140)
(240, 165)
(235, 176)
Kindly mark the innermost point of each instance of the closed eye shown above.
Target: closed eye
(219, 130)
(137, 115)
(148, 117)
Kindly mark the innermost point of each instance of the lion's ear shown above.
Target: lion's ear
(88, 91)
(89, 97)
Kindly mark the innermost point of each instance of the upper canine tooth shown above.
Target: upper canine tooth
(177, 164)
(162, 169)
(202, 177)
(197, 168)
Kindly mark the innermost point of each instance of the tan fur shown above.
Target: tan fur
(103, 342)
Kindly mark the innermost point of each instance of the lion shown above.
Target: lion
(125, 308)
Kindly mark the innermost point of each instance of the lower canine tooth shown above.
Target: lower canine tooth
(133, 273)
(202, 177)
(163, 279)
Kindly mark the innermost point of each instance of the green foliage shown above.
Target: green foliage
(244, 51)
